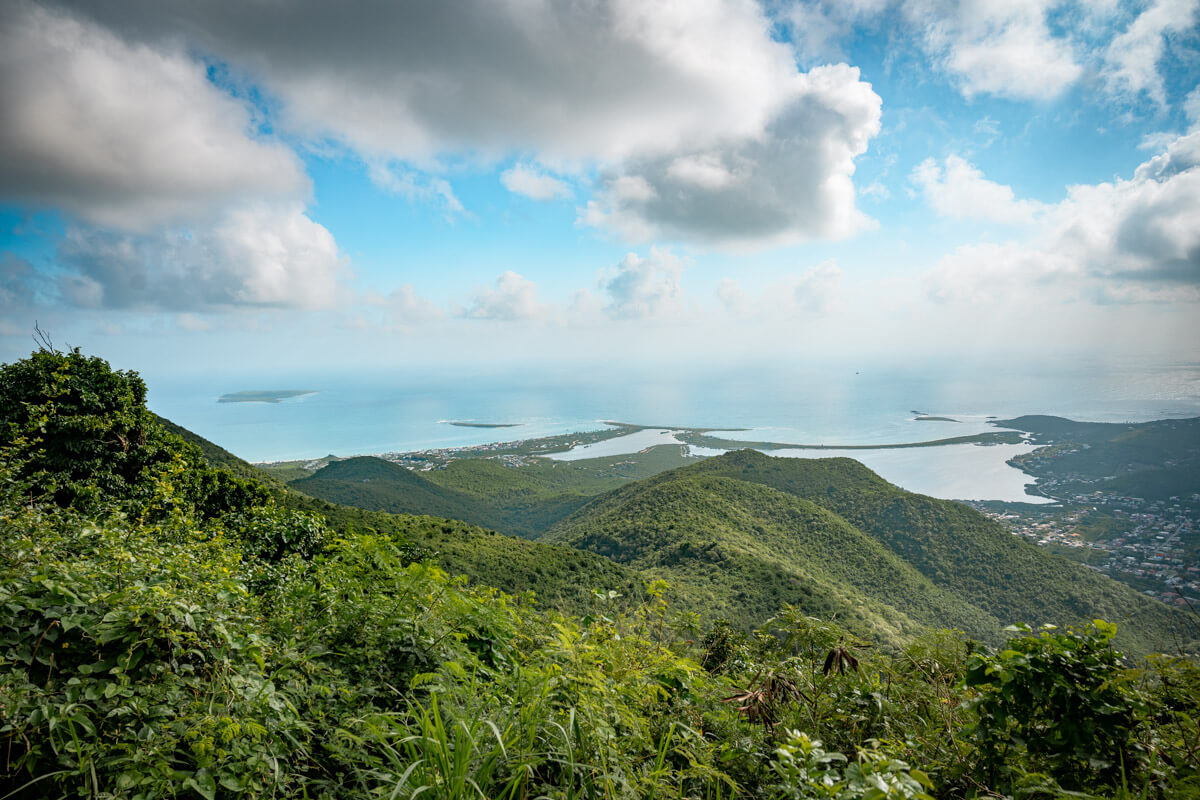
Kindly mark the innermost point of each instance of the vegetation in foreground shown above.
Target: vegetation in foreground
(168, 628)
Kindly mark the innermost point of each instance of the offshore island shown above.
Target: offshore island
(264, 395)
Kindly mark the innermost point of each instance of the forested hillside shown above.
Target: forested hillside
(170, 626)
(739, 551)
(962, 551)
(523, 501)
(826, 535)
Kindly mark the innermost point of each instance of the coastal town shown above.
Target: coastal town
(1152, 545)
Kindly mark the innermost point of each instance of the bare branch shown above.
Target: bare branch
(42, 339)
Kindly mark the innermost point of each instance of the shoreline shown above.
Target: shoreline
(700, 437)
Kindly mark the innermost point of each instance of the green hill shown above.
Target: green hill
(218, 456)
(737, 535)
(560, 577)
(524, 501)
(379, 485)
(1152, 459)
(857, 542)
(739, 551)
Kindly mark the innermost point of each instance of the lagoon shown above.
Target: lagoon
(620, 445)
(950, 472)
(399, 410)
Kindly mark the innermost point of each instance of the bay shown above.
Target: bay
(809, 402)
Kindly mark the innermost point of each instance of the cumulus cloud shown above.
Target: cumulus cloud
(998, 273)
(262, 255)
(790, 184)
(819, 288)
(174, 198)
(576, 80)
(1131, 58)
(1131, 240)
(698, 98)
(408, 306)
(121, 134)
(1004, 49)
(817, 27)
(958, 189)
(513, 298)
(533, 183)
(644, 287)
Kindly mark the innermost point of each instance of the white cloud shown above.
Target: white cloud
(733, 297)
(958, 189)
(644, 287)
(259, 255)
(1130, 240)
(999, 48)
(817, 27)
(794, 182)
(698, 96)
(819, 288)
(527, 180)
(1131, 59)
(398, 180)
(175, 201)
(514, 298)
(997, 273)
(604, 79)
(875, 190)
(121, 134)
(406, 305)
(1191, 107)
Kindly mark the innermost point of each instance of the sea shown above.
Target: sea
(828, 403)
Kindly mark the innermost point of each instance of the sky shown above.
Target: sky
(295, 183)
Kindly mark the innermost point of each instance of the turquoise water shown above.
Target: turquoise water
(802, 403)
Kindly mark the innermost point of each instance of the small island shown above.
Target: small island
(264, 395)
(928, 418)
(485, 424)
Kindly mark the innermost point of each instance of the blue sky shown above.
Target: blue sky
(254, 185)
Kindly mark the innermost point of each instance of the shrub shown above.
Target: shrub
(1058, 703)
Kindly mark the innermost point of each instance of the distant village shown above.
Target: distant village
(1154, 545)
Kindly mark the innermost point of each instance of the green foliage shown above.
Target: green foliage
(1059, 703)
(272, 534)
(960, 551)
(76, 429)
(135, 667)
(175, 631)
(77, 433)
(808, 772)
(1173, 721)
(740, 550)
(524, 502)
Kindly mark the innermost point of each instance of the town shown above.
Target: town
(1152, 545)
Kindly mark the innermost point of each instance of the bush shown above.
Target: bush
(1057, 703)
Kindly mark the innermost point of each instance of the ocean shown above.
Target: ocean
(810, 403)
